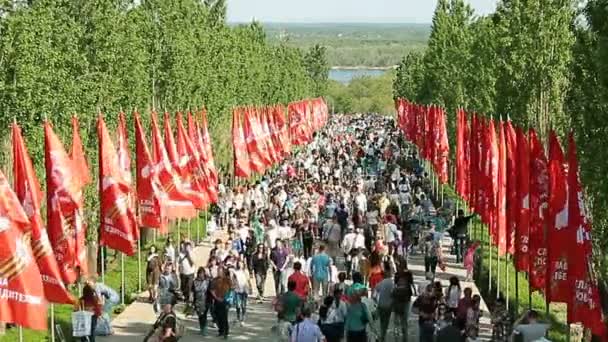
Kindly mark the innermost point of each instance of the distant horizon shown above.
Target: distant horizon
(342, 11)
(328, 22)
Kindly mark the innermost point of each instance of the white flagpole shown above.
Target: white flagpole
(122, 278)
(52, 322)
(103, 266)
(20, 334)
(139, 282)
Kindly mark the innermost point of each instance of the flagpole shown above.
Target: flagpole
(122, 278)
(103, 266)
(20, 334)
(507, 280)
(198, 231)
(497, 274)
(52, 322)
(139, 265)
(189, 229)
(490, 252)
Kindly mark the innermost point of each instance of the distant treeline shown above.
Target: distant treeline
(375, 45)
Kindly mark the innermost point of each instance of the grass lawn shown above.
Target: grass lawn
(63, 313)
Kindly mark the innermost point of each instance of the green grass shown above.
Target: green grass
(63, 313)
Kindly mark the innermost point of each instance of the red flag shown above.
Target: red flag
(522, 258)
(181, 204)
(27, 189)
(512, 186)
(557, 224)
(22, 293)
(474, 173)
(124, 161)
(171, 146)
(539, 195)
(297, 122)
(206, 144)
(501, 195)
(262, 136)
(461, 156)
(149, 194)
(66, 228)
(442, 147)
(80, 162)
(242, 165)
(274, 134)
(283, 128)
(190, 162)
(254, 148)
(584, 303)
(117, 217)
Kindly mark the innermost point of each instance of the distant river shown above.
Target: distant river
(347, 75)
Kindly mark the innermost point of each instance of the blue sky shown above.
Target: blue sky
(311, 11)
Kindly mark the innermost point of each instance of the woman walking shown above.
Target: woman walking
(260, 265)
(153, 270)
(452, 295)
(242, 287)
(200, 300)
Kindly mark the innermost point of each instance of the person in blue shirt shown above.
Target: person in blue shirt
(320, 271)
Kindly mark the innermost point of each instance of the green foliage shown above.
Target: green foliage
(539, 62)
(362, 95)
(318, 69)
(351, 45)
(64, 57)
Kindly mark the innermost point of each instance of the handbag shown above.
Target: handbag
(81, 323)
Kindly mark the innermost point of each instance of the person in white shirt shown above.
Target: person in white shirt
(390, 233)
(271, 234)
(243, 233)
(452, 294)
(361, 202)
(284, 231)
(348, 243)
(360, 239)
(186, 269)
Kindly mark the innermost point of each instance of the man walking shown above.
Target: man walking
(320, 269)
(278, 260)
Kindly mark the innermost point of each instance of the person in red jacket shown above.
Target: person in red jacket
(302, 281)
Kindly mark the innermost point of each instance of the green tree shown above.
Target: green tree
(535, 40)
(409, 77)
(318, 68)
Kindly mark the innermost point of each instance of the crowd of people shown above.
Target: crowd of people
(334, 227)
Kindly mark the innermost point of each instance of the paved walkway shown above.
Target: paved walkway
(138, 317)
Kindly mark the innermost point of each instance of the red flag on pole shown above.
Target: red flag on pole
(522, 234)
(117, 217)
(124, 161)
(474, 173)
(190, 162)
(584, 303)
(22, 293)
(150, 197)
(462, 158)
(557, 225)
(239, 146)
(512, 186)
(181, 204)
(208, 156)
(80, 162)
(27, 189)
(252, 135)
(64, 209)
(171, 146)
(442, 147)
(501, 195)
(539, 196)
(283, 128)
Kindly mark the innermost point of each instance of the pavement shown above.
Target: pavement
(135, 321)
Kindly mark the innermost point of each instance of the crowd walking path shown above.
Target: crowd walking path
(136, 320)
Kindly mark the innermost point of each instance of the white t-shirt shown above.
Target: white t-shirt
(285, 233)
(361, 202)
(271, 237)
(244, 233)
(360, 241)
